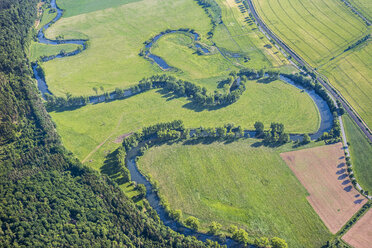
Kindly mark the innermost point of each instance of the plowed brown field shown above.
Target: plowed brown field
(322, 171)
(360, 235)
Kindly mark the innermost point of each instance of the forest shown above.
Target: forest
(48, 198)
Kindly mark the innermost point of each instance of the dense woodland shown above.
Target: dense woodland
(47, 197)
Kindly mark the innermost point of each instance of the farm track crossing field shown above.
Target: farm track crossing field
(322, 171)
(85, 128)
(360, 235)
(361, 154)
(239, 184)
(317, 30)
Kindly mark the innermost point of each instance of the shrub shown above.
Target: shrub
(192, 222)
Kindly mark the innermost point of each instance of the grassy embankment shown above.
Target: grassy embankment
(236, 184)
(82, 130)
(361, 154)
(320, 31)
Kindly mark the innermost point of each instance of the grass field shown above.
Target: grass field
(117, 29)
(38, 50)
(351, 74)
(73, 7)
(116, 37)
(82, 130)
(317, 30)
(236, 184)
(175, 48)
(360, 235)
(322, 171)
(361, 154)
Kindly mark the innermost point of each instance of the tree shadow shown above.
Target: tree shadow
(348, 188)
(340, 172)
(341, 165)
(265, 80)
(112, 169)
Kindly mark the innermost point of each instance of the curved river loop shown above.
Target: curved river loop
(324, 111)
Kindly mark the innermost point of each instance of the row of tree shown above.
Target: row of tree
(178, 87)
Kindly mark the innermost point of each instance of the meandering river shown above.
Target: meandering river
(324, 111)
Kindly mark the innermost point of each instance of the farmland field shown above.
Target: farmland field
(361, 154)
(85, 128)
(317, 30)
(320, 32)
(351, 74)
(363, 6)
(360, 235)
(236, 184)
(322, 171)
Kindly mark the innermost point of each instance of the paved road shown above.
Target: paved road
(302, 62)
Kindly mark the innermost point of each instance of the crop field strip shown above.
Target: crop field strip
(360, 235)
(331, 32)
(322, 171)
(351, 75)
(364, 6)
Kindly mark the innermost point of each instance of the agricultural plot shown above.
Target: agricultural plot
(360, 235)
(351, 74)
(317, 30)
(361, 153)
(239, 184)
(82, 130)
(363, 6)
(322, 171)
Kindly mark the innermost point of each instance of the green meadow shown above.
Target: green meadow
(37, 50)
(83, 129)
(239, 184)
(117, 29)
(116, 36)
(361, 153)
(316, 29)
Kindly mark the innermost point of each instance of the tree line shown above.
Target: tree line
(198, 95)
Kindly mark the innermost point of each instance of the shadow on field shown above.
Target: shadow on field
(111, 168)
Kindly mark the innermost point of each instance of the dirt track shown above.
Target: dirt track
(322, 171)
